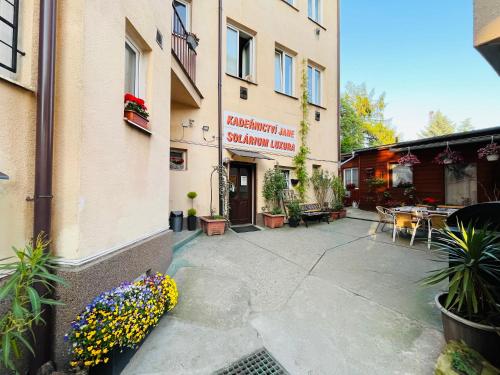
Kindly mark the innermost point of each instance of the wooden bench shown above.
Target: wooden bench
(314, 212)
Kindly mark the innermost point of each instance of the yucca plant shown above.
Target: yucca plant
(472, 269)
(26, 302)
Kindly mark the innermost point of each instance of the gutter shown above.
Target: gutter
(43, 160)
(348, 160)
(219, 111)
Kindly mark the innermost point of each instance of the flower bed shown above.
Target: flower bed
(120, 318)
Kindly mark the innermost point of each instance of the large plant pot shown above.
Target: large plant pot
(482, 338)
(294, 223)
(273, 221)
(342, 213)
(493, 157)
(137, 119)
(334, 215)
(192, 222)
(213, 226)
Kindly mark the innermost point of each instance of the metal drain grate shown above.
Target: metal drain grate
(260, 362)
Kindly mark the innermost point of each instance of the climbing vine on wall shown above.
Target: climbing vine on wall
(300, 159)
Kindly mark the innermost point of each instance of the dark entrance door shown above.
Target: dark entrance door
(240, 197)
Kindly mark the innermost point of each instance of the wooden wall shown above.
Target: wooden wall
(428, 177)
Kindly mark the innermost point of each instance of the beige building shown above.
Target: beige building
(113, 182)
(487, 31)
(265, 46)
(110, 186)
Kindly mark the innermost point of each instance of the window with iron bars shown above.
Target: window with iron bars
(9, 30)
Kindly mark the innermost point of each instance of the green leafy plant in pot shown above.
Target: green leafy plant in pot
(470, 309)
(272, 190)
(192, 219)
(26, 294)
(338, 196)
(294, 213)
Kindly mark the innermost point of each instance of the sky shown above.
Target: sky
(421, 54)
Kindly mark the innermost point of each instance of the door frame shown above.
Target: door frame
(253, 171)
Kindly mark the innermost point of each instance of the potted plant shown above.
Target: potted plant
(448, 156)
(432, 202)
(338, 196)
(192, 212)
(408, 160)
(490, 152)
(213, 224)
(272, 190)
(294, 213)
(470, 310)
(136, 111)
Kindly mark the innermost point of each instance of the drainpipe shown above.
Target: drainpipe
(43, 159)
(219, 108)
(338, 84)
(348, 160)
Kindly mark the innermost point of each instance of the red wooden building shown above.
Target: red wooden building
(374, 176)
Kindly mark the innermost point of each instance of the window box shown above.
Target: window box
(136, 119)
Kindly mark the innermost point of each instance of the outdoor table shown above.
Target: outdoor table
(424, 212)
(315, 216)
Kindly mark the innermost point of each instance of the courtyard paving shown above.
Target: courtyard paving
(329, 299)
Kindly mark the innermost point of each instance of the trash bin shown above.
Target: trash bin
(176, 220)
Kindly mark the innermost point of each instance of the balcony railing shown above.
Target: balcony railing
(181, 48)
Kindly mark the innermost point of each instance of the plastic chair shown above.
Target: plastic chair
(435, 223)
(404, 220)
(385, 216)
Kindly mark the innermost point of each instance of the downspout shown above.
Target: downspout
(219, 112)
(338, 84)
(348, 160)
(43, 158)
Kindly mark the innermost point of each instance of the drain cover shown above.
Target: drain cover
(259, 362)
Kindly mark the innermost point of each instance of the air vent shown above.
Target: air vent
(243, 93)
(159, 38)
(317, 115)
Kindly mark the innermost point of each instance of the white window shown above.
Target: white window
(183, 11)
(239, 54)
(10, 48)
(291, 2)
(351, 177)
(132, 60)
(178, 160)
(402, 176)
(287, 174)
(314, 85)
(314, 10)
(283, 72)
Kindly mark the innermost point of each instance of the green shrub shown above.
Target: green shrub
(191, 212)
(294, 210)
(192, 195)
(32, 267)
(339, 193)
(273, 188)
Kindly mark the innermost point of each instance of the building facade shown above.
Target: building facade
(265, 46)
(110, 180)
(487, 31)
(375, 177)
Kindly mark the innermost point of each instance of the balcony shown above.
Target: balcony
(183, 86)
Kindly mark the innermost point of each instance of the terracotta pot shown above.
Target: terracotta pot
(342, 213)
(334, 215)
(212, 226)
(137, 119)
(492, 157)
(482, 338)
(273, 221)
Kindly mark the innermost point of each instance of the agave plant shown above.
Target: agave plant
(472, 259)
(26, 301)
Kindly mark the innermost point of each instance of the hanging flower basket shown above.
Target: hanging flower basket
(408, 160)
(448, 157)
(491, 152)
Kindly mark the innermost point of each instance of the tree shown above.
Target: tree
(362, 120)
(351, 128)
(439, 124)
(465, 126)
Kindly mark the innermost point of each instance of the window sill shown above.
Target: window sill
(242, 79)
(288, 96)
(290, 5)
(137, 126)
(317, 23)
(17, 83)
(317, 106)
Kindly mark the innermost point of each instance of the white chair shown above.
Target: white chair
(385, 216)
